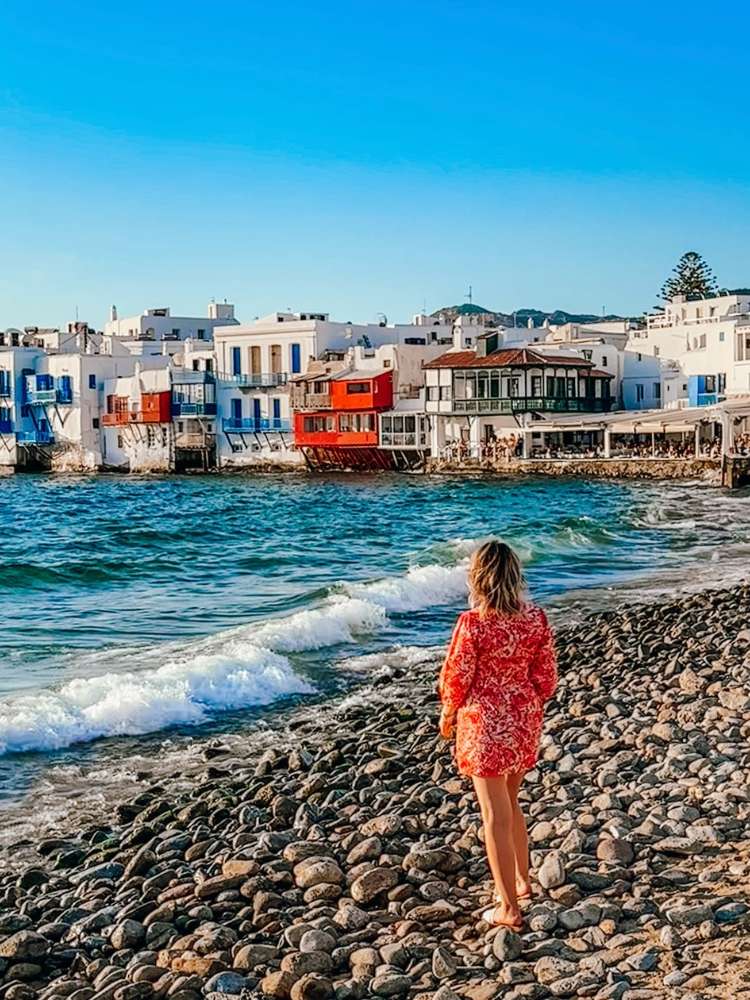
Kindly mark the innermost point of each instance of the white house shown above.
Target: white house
(156, 331)
(707, 339)
(256, 362)
(137, 432)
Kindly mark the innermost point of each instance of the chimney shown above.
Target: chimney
(482, 346)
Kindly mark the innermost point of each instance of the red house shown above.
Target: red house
(336, 417)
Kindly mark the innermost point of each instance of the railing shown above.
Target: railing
(192, 378)
(522, 404)
(707, 398)
(145, 417)
(35, 437)
(116, 419)
(38, 396)
(268, 381)
(310, 400)
(248, 425)
(180, 409)
(192, 440)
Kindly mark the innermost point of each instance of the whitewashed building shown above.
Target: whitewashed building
(708, 343)
(157, 331)
(256, 362)
(137, 432)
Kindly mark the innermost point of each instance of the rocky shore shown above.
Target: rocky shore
(347, 860)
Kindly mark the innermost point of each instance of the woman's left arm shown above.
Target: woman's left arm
(458, 669)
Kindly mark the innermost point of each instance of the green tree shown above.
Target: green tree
(691, 276)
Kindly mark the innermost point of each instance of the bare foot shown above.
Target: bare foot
(502, 915)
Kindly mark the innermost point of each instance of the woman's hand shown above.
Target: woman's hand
(447, 724)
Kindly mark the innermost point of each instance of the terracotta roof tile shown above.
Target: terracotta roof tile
(506, 358)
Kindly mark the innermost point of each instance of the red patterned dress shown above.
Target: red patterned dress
(499, 672)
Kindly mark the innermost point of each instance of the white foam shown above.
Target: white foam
(422, 587)
(167, 684)
(118, 704)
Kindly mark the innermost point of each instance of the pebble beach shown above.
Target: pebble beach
(345, 858)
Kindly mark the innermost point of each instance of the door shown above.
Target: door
(276, 414)
(256, 413)
(275, 359)
(236, 361)
(255, 365)
(296, 359)
(237, 412)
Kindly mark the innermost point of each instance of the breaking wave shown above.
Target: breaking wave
(173, 684)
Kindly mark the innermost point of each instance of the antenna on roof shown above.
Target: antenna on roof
(469, 295)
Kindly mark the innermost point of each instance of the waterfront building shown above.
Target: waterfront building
(256, 363)
(363, 409)
(708, 343)
(476, 397)
(136, 423)
(194, 408)
(157, 331)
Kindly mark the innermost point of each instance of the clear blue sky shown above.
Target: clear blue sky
(366, 156)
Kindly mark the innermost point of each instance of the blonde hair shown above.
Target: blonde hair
(496, 580)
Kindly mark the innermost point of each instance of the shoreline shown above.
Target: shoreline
(208, 884)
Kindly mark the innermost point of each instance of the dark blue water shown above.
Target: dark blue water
(135, 605)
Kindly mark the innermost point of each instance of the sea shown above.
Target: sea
(142, 614)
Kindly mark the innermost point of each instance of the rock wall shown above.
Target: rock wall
(630, 468)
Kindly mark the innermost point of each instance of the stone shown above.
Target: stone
(443, 963)
(23, 945)
(552, 872)
(127, 934)
(316, 870)
(506, 945)
(366, 887)
(226, 982)
(390, 985)
(316, 940)
(250, 956)
(312, 987)
(278, 985)
(550, 968)
(689, 915)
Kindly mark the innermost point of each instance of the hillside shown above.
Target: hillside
(492, 317)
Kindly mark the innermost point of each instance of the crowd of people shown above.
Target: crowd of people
(498, 450)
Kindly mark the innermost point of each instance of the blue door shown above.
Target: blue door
(256, 413)
(296, 359)
(237, 412)
(236, 361)
(276, 414)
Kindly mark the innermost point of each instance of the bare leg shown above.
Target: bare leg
(520, 837)
(497, 816)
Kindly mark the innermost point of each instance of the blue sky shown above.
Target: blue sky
(366, 157)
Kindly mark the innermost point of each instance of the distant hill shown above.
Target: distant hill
(491, 317)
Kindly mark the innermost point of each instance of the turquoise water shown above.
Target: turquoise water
(135, 607)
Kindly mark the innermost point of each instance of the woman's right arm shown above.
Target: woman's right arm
(458, 670)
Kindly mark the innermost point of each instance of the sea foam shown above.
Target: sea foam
(170, 684)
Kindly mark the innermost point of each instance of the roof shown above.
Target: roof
(600, 373)
(363, 375)
(508, 358)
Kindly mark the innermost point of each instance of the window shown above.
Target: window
(657, 390)
(209, 364)
(721, 336)
(175, 331)
(150, 436)
(92, 381)
(703, 340)
(640, 357)
(357, 388)
(164, 438)
(536, 385)
(604, 360)
(722, 381)
(657, 351)
(386, 362)
(119, 440)
(587, 355)
(296, 353)
(196, 365)
(201, 334)
(180, 426)
(95, 423)
(710, 383)
(236, 361)
(639, 393)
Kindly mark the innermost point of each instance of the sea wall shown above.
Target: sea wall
(343, 858)
(599, 468)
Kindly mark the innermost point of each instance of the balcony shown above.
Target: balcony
(181, 409)
(116, 419)
(39, 397)
(309, 400)
(248, 425)
(268, 381)
(35, 437)
(194, 440)
(527, 404)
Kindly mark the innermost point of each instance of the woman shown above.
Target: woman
(499, 672)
